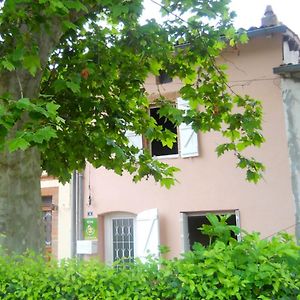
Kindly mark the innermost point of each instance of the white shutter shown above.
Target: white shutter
(184, 233)
(238, 223)
(188, 138)
(147, 234)
(135, 140)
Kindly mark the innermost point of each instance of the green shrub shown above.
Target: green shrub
(227, 269)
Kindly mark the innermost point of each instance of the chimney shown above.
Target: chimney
(269, 19)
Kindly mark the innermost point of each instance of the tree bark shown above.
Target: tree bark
(20, 201)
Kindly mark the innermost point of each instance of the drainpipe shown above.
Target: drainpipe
(76, 211)
(73, 214)
(79, 209)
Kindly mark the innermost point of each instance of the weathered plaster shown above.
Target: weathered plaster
(291, 101)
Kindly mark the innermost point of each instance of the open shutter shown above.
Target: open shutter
(238, 223)
(188, 138)
(147, 234)
(135, 140)
(184, 233)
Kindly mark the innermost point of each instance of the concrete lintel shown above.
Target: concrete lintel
(288, 71)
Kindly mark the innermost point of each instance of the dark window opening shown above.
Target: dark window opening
(195, 235)
(47, 220)
(163, 77)
(157, 149)
(46, 200)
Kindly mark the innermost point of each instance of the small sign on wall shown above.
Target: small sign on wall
(86, 247)
(90, 228)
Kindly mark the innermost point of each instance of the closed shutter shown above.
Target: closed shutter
(147, 234)
(187, 136)
(135, 140)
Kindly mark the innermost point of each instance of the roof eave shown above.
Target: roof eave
(263, 31)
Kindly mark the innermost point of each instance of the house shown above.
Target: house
(124, 219)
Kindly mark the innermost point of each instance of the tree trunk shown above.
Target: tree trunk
(20, 201)
(20, 196)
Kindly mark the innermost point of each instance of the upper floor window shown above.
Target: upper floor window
(163, 77)
(157, 148)
(186, 143)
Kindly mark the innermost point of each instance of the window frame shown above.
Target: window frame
(184, 233)
(108, 233)
(185, 149)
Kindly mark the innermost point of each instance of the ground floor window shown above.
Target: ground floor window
(192, 221)
(123, 238)
(126, 235)
(119, 237)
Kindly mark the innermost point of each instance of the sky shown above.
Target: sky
(250, 12)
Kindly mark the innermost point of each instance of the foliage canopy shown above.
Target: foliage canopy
(79, 67)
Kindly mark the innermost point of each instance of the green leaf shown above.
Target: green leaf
(32, 63)
(2, 110)
(18, 143)
(44, 134)
(52, 108)
(8, 65)
(155, 67)
(167, 182)
(244, 38)
(69, 25)
(76, 5)
(24, 104)
(59, 85)
(74, 87)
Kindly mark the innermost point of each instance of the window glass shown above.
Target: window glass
(47, 200)
(123, 239)
(47, 222)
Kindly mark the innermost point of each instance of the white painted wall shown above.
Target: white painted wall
(289, 56)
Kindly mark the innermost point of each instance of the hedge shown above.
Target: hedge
(227, 269)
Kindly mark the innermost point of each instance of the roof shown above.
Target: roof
(254, 31)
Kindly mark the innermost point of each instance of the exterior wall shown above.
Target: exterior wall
(61, 216)
(208, 183)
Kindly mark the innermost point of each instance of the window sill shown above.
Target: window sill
(166, 156)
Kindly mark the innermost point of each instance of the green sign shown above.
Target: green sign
(90, 228)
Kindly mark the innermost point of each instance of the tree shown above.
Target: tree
(71, 85)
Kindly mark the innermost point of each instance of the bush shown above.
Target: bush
(227, 269)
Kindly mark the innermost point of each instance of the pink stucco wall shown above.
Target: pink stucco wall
(209, 183)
